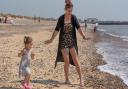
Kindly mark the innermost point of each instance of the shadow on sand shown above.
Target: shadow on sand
(46, 82)
(41, 81)
(52, 82)
(8, 88)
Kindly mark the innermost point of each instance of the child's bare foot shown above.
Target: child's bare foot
(24, 85)
(29, 86)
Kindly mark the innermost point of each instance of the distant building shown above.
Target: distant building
(91, 23)
(92, 20)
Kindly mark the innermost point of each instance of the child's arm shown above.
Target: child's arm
(21, 53)
(33, 55)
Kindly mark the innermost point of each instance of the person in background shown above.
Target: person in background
(0, 20)
(95, 27)
(39, 19)
(85, 24)
(6, 18)
(34, 19)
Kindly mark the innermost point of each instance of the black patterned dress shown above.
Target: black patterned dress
(67, 37)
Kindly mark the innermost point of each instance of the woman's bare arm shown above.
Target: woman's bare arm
(81, 33)
(52, 38)
(54, 35)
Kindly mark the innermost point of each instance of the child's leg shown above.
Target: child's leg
(27, 82)
(27, 76)
(24, 83)
(27, 79)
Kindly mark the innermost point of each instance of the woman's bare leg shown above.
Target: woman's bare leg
(66, 63)
(75, 60)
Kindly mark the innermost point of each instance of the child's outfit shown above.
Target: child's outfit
(24, 68)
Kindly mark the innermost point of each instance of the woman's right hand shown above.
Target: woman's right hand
(48, 41)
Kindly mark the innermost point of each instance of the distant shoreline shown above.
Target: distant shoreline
(107, 22)
(113, 22)
(26, 17)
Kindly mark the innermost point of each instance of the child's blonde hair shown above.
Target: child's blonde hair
(27, 40)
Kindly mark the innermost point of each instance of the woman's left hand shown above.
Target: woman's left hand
(86, 38)
(48, 41)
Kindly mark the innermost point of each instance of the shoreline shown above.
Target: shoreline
(109, 47)
(100, 79)
(44, 76)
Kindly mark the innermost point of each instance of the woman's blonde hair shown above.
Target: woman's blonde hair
(68, 6)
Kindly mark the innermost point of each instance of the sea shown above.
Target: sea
(114, 49)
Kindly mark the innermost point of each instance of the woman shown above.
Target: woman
(67, 48)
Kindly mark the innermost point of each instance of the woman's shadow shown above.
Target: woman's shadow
(8, 88)
(50, 82)
(53, 83)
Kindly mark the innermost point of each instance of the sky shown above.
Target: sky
(101, 9)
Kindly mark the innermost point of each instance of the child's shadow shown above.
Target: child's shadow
(8, 88)
(46, 82)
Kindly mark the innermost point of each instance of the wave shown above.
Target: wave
(112, 60)
(103, 30)
(124, 38)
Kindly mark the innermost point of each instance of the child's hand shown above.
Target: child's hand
(21, 53)
(33, 55)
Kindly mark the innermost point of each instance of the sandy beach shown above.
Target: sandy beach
(44, 76)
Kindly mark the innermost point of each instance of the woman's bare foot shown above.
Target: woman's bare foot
(67, 82)
(81, 83)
